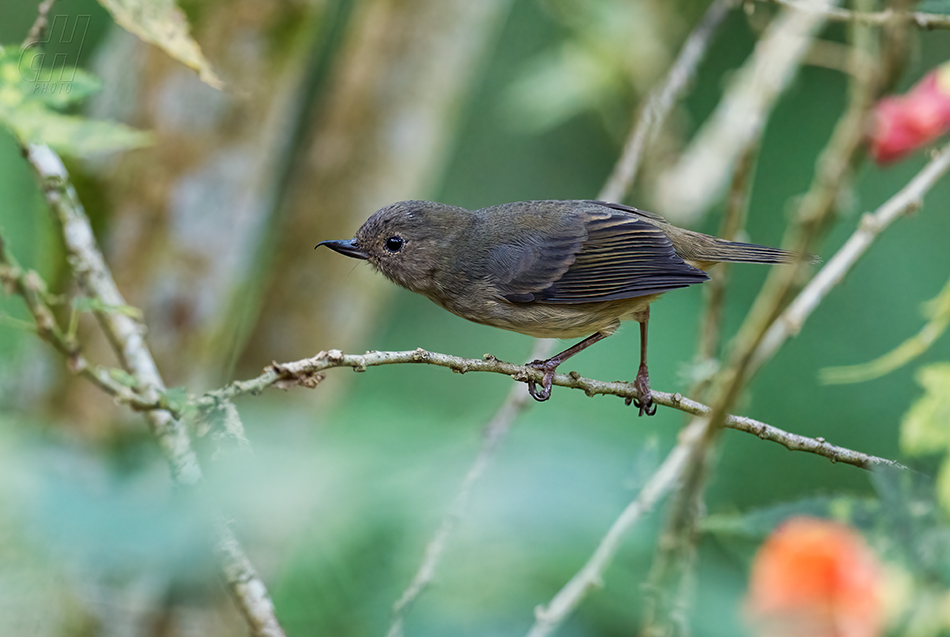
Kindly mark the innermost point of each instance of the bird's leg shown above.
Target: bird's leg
(549, 366)
(642, 382)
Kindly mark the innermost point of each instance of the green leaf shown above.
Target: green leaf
(69, 134)
(31, 90)
(925, 427)
(162, 23)
(36, 80)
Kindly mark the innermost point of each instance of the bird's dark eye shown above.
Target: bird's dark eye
(394, 244)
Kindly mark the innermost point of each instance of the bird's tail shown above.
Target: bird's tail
(734, 252)
(707, 249)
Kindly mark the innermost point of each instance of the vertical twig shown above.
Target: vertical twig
(843, 151)
(834, 168)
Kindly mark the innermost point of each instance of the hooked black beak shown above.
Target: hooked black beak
(347, 247)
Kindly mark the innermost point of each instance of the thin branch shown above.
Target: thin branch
(590, 576)
(908, 199)
(31, 287)
(700, 175)
(494, 433)
(308, 372)
(664, 616)
(245, 585)
(39, 25)
(125, 333)
(126, 336)
(937, 310)
(661, 100)
(670, 578)
(926, 21)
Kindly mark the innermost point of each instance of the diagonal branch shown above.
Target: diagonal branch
(127, 338)
(663, 480)
(124, 332)
(704, 169)
(31, 287)
(495, 431)
(908, 199)
(786, 36)
(661, 100)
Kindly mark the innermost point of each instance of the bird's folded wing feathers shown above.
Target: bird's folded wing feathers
(612, 255)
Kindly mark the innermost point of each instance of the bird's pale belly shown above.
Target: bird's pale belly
(561, 320)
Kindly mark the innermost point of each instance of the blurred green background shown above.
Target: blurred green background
(346, 483)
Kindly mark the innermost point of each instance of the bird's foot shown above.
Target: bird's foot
(642, 384)
(544, 392)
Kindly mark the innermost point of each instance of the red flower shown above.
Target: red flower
(815, 578)
(904, 123)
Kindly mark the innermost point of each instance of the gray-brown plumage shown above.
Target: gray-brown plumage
(559, 269)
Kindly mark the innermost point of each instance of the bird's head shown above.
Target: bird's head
(410, 242)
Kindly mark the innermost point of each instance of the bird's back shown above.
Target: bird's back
(703, 250)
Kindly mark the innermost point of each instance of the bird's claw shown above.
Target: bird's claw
(642, 384)
(547, 381)
(647, 407)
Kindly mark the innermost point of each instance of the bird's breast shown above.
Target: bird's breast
(550, 320)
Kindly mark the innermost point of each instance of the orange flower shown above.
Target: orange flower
(815, 578)
(904, 123)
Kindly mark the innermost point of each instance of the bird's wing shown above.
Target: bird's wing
(630, 209)
(607, 255)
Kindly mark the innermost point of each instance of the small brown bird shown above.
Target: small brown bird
(551, 269)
